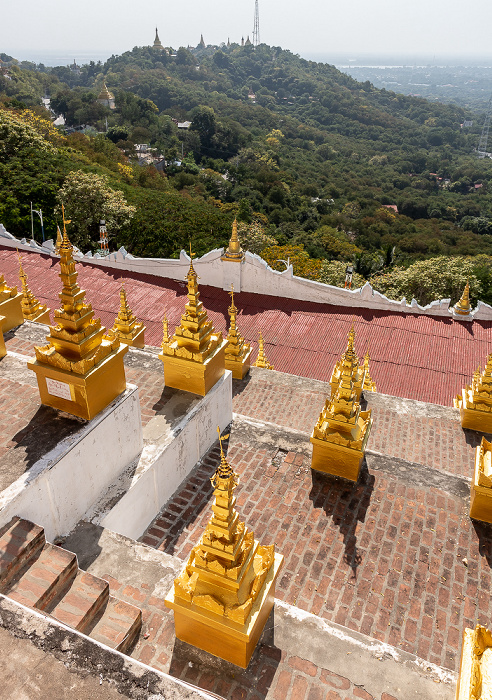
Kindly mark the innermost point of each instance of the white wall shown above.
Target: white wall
(58, 489)
(163, 466)
(253, 275)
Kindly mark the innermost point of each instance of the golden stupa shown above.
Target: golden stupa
(10, 306)
(81, 370)
(481, 485)
(59, 240)
(32, 310)
(224, 595)
(475, 676)
(358, 371)
(261, 360)
(237, 351)
(340, 436)
(126, 326)
(475, 401)
(194, 358)
(234, 252)
(3, 349)
(368, 384)
(463, 306)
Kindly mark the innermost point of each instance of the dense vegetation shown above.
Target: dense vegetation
(294, 148)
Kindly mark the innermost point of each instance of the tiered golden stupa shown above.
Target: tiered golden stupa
(126, 326)
(475, 677)
(481, 485)
(463, 306)
(224, 595)
(59, 239)
(234, 252)
(340, 436)
(475, 401)
(237, 351)
(32, 310)
(194, 358)
(358, 372)
(80, 370)
(369, 384)
(261, 360)
(10, 306)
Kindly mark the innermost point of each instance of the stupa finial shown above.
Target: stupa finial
(165, 325)
(261, 360)
(224, 470)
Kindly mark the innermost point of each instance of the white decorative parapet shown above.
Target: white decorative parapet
(253, 274)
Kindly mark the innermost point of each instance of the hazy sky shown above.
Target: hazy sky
(412, 27)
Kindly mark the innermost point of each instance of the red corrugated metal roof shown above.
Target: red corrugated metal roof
(413, 356)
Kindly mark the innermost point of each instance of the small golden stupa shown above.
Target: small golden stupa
(475, 676)
(10, 306)
(3, 349)
(340, 436)
(224, 595)
(126, 327)
(59, 239)
(463, 306)
(32, 310)
(261, 360)
(194, 358)
(81, 370)
(481, 485)
(358, 372)
(369, 384)
(234, 252)
(475, 401)
(237, 351)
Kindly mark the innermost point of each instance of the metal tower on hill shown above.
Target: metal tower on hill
(482, 144)
(256, 30)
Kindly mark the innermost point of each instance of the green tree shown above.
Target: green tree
(87, 198)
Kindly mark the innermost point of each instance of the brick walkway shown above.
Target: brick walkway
(380, 557)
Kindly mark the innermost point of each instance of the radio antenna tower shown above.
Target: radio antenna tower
(256, 30)
(482, 144)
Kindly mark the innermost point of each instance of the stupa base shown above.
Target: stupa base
(481, 503)
(337, 460)
(219, 636)
(239, 367)
(43, 317)
(195, 377)
(12, 310)
(82, 395)
(476, 420)
(138, 340)
(3, 349)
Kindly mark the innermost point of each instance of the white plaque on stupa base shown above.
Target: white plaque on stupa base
(60, 389)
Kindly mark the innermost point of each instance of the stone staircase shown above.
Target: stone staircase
(45, 577)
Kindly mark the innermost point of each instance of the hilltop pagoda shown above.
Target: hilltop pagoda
(340, 436)
(126, 327)
(234, 252)
(10, 306)
(81, 370)
(475, 401)
(32, 309)
(237, 351)
(463, 306)
(194, 359)
(224, 595)
(157, 42)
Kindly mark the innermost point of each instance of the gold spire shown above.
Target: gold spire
(349, 362)
(126, 326)
(234, 252)
(58, 239)
(77, 347)
(32, 310)
(195, 345)
(237, 351)
(463, 306)
(165, 325)
(227, 572)
(368, 384)
(261, 360)
(157, 41)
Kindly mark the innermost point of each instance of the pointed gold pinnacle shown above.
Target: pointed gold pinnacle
(261, 360)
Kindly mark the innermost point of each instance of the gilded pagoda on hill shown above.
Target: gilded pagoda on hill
(340, 436)
(475, 401)
(80, 370)
(224, 595)
(194, 358)
(237, 351)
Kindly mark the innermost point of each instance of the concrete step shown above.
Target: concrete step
(119, 625)
(48, 577)
(82, 603)
(20, 543)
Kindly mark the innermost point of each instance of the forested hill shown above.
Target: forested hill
(297, 146)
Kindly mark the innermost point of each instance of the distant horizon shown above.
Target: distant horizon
(62, 57)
